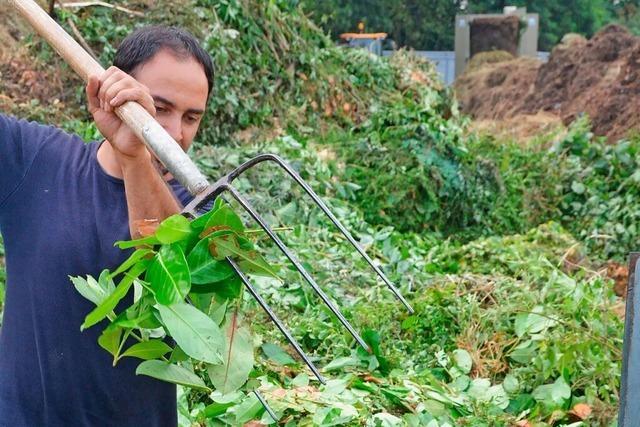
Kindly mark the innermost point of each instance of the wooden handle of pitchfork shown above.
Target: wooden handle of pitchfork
(133, 114)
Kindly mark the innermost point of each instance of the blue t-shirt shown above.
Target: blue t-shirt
(60, 214)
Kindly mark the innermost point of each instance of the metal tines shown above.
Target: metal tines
(224, 185)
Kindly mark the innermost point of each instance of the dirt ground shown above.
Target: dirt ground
(599, 77)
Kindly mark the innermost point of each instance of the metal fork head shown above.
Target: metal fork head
(224, 184)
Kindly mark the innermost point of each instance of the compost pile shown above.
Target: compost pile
(500, 247)
(597, 77)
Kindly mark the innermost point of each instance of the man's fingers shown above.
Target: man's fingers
(93, 84)
(108, 82)
(137, 94)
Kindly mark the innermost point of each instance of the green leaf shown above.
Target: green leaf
(524, 352)
(94, 291)
(277, 355)
(144, 319)
(171, 373)
(199, 223)
(145, 241)
(178, 355)
(462, 360)
(553, 395)
(107, 306)
(511, 384)
(250, 261)
(195, 332)
(247, 410)
(110, 339)
(216, 409)
(169, 275)
(225, 216)
(532, 323)
(173, 229)
(229, 288)
(204, 267)
(341, 362)
(136, 256)
(147, 350)
(238, 358)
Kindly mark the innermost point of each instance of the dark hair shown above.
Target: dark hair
(142, 44)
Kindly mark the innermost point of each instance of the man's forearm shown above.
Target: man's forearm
(148, 195)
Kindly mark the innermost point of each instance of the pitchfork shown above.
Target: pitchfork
(185, 171)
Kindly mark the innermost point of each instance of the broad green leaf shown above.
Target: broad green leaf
(249, 261)
(178, 355)
(204, 267)
(341, 362)
(110, 339)
(497, 396)
(195, 332)
(533, 322)
(226, 216)
(216, 409)
(238, 358)
(173, 229)
(133, 318)
(199, 223)
(145, 241)
(462, 360)
(217, 310)
(147, 350)
(524, 352)
(230, 288)
(136, 256)
(171, 373)
(511, 384)
(169, 275)
(277, 355)
(247, 410)
(554, 394)
(107, 306)
(478, 389)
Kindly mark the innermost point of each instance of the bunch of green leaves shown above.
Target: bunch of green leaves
(189, 294)
(518, 332)
(600, 190)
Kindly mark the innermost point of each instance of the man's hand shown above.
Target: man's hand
(108, 91)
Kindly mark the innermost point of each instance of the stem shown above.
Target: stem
(116, 357)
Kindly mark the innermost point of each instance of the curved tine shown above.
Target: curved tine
(248, 208)
(265, 405)
(276, 320)
(318, 201)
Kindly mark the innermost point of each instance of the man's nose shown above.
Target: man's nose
(173, 126)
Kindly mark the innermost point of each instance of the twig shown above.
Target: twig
(82, 4)
(52, 5)
(81, 39)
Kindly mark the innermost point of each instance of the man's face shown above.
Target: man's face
(179, 88)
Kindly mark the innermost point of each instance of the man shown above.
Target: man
(63, 204)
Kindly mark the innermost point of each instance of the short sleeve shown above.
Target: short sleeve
(20, 143)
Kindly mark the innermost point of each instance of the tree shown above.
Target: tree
(425, 25)
(429, 25)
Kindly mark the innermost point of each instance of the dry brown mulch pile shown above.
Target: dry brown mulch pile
(599, 77)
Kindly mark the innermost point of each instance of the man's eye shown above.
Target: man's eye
(192, 119)
(160, 109)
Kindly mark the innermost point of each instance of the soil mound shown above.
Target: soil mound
(489, 34)
(599, 77)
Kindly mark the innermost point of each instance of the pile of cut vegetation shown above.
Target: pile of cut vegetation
(597, 77)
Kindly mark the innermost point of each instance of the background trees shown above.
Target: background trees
(429, 24)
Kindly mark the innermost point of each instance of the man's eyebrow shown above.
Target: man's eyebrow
(158, 98)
